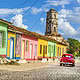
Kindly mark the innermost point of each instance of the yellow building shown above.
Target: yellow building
(11, 45)
(60, 49)
(42, 48)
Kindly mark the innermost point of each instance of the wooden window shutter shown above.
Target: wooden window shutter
(0, 39)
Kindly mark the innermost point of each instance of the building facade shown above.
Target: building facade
(60, 50)
(11, 45)
(19, 43)
(3, 37)
(51, 22)
(18, 46)
(42, 49)
(51, 49)
(29, 46)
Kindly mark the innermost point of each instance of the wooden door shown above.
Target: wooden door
(11, 48)
(35, 54)
(31, 51)
(23, 49)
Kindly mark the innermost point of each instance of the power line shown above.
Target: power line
(30, 8)
(34, 3)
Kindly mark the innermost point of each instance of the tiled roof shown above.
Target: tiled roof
(24, 31)
(33, 34)
(4, 21)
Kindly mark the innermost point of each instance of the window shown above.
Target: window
(54, 50)
(46, 49)
(58, 51)
(35, 50)
(50, 22)
(67, 56)
(55, 15)
(49, 49)
(63, 51)
(54, 29)
(0, 39)
(43, 50)
(40, 49)
(27, 45)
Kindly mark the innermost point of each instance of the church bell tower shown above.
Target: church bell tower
(51, 23)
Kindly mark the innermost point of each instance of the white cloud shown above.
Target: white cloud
(65, 13)
(12, 11)
(64, 25)
(78, 1)
(42, 33)
(18, 21)
(35, 10)
(71, 15)
(58, 2)
(42, 20)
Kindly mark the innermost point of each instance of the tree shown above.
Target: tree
(74, 47)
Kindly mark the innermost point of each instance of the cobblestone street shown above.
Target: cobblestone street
(51, 72)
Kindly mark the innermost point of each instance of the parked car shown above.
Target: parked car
(67, 59)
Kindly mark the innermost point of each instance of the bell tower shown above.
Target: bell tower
(52, 23)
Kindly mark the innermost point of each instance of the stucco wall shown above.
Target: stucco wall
(3, 50)
(33, 41)
(51, 49)
(60, 46)
(42, 42)
(10, 34)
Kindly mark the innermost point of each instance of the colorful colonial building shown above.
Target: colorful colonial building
(3, 37)
(18, 43)
(29, 47)
(51, 49)
(11, 45)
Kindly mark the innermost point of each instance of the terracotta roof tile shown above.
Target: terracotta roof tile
(34, 34)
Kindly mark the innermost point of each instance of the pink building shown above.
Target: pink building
(29, 46)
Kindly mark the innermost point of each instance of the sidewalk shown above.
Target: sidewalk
(25, 67)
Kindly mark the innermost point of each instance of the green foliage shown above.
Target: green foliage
(74, 47)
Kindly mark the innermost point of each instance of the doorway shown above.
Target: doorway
(23, 49)
(11, 48)
(31, 51)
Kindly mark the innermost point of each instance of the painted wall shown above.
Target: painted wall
(3, 28)
(40, 52)
(61, 49)
(28, 50)
(18, 46)
(11, 35)
(51, 49)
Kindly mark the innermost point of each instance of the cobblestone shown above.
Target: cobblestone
(52, 72)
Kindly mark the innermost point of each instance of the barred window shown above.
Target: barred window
(40, 49)
(43, 49)
(58, 51)
(0, 39)
(35, 50)
(46, 49)
(27, 45)
(63, 51)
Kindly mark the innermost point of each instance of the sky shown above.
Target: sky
(31, 15)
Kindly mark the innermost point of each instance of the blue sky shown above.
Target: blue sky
(31, 15)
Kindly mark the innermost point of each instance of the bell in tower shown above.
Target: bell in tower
(52, 22)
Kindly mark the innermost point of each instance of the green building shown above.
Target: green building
(51, 49)
(3, 37)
